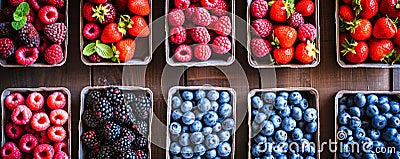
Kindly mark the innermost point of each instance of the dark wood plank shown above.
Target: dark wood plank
(396, 79)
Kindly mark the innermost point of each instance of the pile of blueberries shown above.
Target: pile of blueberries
(202, 122)
(283, 125)
(372, 123)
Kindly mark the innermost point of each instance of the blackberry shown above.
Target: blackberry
(129, 97)
(127, 133)
(103, 109)
(92, 154)
(142, 106)
(142, 127)
(115, 96)
(6, 30)
(90, 139)
(105, 152)
(90, 119)
(7, 48)
(140, 143)
(92, 98)
(6, 14)
(55, 32)
(124, 115)
(140, 154)
(123, 144)
(128, 154)
(111, 131)
(29, 36)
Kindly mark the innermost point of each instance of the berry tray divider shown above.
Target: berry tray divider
(211, 62)
(311, 94)
(253, 63)
(4, 63)
(133, 62)
(128, 88)
(176, 89)
(340, 94)
(6, 113)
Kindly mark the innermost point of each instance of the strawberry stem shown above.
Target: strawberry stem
(289, 5)
(357, 6)
(275, 41)
(348, 46)
(398, 4)
(99, 12)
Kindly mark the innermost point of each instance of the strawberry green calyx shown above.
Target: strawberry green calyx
(343, 25)
(357, 6)
(397, 59)
(275, 41)
(353, 25)
(390, 58)
(348, 46)
(289, 5)
(311, 49)
(99, 12)
(124, 23)
(270, 3)
(394, 22)
(115, 58)
(398, 4)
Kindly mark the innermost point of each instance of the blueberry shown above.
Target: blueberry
(256, 102)
(196, 126)
(210, 119)
(365, 143)
(217, 127)
(276, 120)
(383, 100)
(374, 134)
(187, 152)
(280, 103)
(344, 118)
(297, 134)
(312, 149)
(370, 155)
(372, 99)
(174, 148)
(268, 129)
(384, 108)
(196, 138)
(288, 124)
(198, 114)
(199, 94)
(253, 114)
(204, 105)
(260, 117)
(185, 129)
(260, 138)
(176, 115)
(225, 110)
(355, 111)
(279, 148)
(394, 122)
(312, 127)
(224, 135)
(188, 118)
(342, 108)
(346, 130)
(303, 104)
(378, 144)
(285, 95)
(359, 133)
(186, 106)
(294, 155)
(305, 146)
(297, 113)
(395, 155)
(214, 105)
(206, 131)
(285, 112)
(211, 141)
(267, 109)
(371, 111)
(213, 95)
(394, 107)
(343, 100)
(310, 157)
(175, 128)
(310, 114)
(255, 150)
(295, 97)
(187, 95)
(210, 154)
(176, 102)
(184, 139)
(350, 101)
(308, 136)
(228, 124)
(224, 149)
(344, 151)
(224, 97)
(199, 149)
(272, 157)
(389, 134)
(269, 97)
(379, 122)
(354, 123)
(360, 100)
(280, 136)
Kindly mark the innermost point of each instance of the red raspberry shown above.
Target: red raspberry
(10, 151)
(35, 101)
(26, 55)
(58, 117)
(42, 137)
(61, 155)
(262, 27)
(209, 3)
(34, 4)
(259, 8)
(182, 4)
(91, 31)
(214, 20)
(30, 18)
(260, 47)
(14, 131)
(48, 14)
(296, 20)
(201, 17)
(44, 43)
(200, 35)
(39, 25)
(54, 54)
(61, 146)
(176, 17)
(21, 115)
(87, 11)
(221, 45)
(202, 52)
(191, 10)
(220, 8)
(95, 58)
(183, 53)
(223, 26)
(56, 100)
(307, 32)
(13, 100)
(59, 4)
(27, 143)
(56, 133)
(49, 2)
(43, 151)
(177, 35)
(16, 2)
(40, 121)
(28, 129)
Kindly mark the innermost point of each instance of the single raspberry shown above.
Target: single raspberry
(14, 131)
(34, 4)
(220, 8)
(209, 3)
(260, 47)
(87, 11)
(57, 100)
(182, 4)
(39, 25)
(221, 45)
(176, 17)
(56, 32)
(58, 117)
(44, 43)
(28, 129)
(56, 133)
(54, 54)
(48, 14)
(201, 17)
(16, 2)
(61, 146)
(26, 55)
(95, 58)
(43, 151)
(223, 26)
(21, 115)
(35, 101)
(191, 10)
(13, 100)
(42, 137)
(259, 8)
(49, 2)
(262, 27)
(27, 143)
(177, 35)
(10, 151)
(60, 4)
(214, 20)
(7, 48)
(91, 31)
(202, 52)
(200, 35)
(61, 155)
(40, 121)
(307, 32)
(30, 18)
(296, 20)
(183, 53)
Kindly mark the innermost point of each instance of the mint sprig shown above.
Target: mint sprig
(103, 50)
(19, 15)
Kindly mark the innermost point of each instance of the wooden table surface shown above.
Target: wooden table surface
(328, 78)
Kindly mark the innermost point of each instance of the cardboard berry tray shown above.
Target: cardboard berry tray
(176, 90)
(40, 61)
(147, 91)
(6, 113)
(215, 59)
(312, 96)
(265, 61)
(143, 51)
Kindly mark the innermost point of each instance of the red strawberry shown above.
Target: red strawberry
(361, 29)
(259, 8)
(347, 1)
(98, 1)
(139, 7)
(342, 38)
(139, 27)
(380, 50)
(87, 11)
(366, 8)
(126, 49)
(354, 52)
(306, 52)
(105, 13)
(278, 11)
(384, 28)
(305, 7)
(346, 13)
(284, 36)
(396, 38)
(389, 8)
(111, 34)
(283, 55)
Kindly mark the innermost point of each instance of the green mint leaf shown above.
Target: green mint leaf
(104, 51)
(89, 49)
(18, 24)
(23, 7)
(17, 15)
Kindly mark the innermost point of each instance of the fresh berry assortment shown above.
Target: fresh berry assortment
(370, 120)
(283, 32)
(111, 30)
(283, 125)
(35, 128)
(116, 123)
(368, 32)
(199, 31)
(33, 32)
(202, 124)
